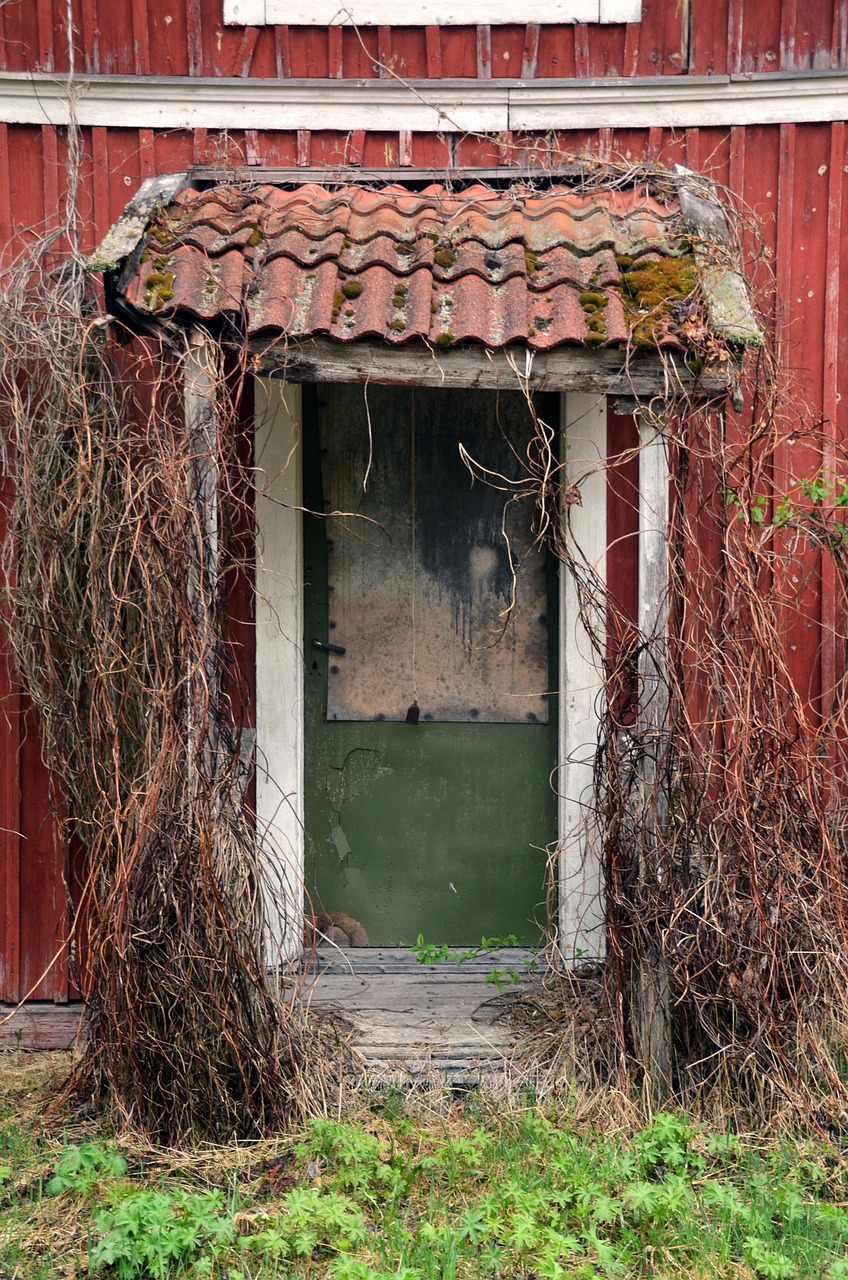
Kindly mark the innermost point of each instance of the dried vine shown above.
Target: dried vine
(124, 539)
(722, 823)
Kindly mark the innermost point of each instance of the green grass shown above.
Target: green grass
(469, 1193)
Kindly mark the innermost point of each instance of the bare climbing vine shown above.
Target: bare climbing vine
(127, 535)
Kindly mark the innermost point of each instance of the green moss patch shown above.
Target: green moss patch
(158, 289)
(651, 290)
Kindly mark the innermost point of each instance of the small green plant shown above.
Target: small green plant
(430, 953)
(153, 1235)
(79, 1168)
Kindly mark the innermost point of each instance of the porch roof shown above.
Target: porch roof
(546, 267)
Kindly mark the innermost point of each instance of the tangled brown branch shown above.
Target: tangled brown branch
(125, 538)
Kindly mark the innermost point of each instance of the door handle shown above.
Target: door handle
(326, 647)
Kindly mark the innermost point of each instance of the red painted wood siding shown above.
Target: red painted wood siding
(188, 37)
(33, 865)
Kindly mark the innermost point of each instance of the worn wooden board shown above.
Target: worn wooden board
(40, 1026)
(606, 371)
(419, 1017)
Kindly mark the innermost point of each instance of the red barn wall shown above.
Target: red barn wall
(792, 178)
(188, 38)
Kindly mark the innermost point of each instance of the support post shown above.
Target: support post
(279, 663)
(650, 997)
(200, 383)
(581, 880)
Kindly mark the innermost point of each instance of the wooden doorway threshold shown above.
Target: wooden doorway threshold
(411, 1019)
(407, 1019)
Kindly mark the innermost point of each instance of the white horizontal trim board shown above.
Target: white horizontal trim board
(443, 13)
(443, 106)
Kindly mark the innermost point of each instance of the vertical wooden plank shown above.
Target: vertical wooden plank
(581, 904)
(788, 21)
(632, 39)
(693, 150)
(734, 36)
(708, 54)
(10, 803)
(736, 177)
(839, 37)
(608, 50)
(650, 981)
(100, 159)
(282, 46)
(785, 222)
(168, 39)
(484, 52)
(384, 52)
(655, 142)
(50, 164)
(304, 147)
(800, 618)
(355, 146)
(430, 151)
(459, 54)
(582, 51)
(243, 60)
(433, 38)
(530, 56)
(146, 158)
(506, 147)
(90, 38)
(198, 146)
(279, 662)
(5, 196)
(67, 41)
(334, 35)
(141, 40)
(507, 40)
(783, 276)
(17, 40)
(252, 147)
(405, 148)
(46, 51)
(830, 398)
(194, 37)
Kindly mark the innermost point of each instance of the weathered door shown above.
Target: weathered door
(431, 585)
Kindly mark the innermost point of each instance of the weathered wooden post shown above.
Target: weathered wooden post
(200, 383)
(651, 1022)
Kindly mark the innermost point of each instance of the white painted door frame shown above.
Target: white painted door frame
(280, 669)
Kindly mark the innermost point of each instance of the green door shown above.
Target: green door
(422, 584)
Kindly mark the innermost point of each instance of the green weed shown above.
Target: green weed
(462, 1198)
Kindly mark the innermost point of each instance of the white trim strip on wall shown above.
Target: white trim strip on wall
(279, 662)
(369, 13)
(581, 888)
(445, 106)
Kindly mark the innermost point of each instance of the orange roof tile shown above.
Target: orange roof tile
(481, 265)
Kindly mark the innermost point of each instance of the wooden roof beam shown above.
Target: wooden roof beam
(603, 372)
